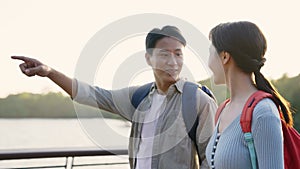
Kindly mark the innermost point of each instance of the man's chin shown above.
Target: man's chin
(173, 78)
(170, 78)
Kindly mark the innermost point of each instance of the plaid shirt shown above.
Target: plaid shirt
(172, 147)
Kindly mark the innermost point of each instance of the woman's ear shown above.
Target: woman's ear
(148, 58)
(225, 57)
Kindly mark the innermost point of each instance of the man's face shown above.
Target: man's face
(166, 59)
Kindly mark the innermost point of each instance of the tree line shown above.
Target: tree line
(50, 105)
(56, 105)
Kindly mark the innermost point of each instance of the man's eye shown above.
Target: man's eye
(179, 54)
(164, 54)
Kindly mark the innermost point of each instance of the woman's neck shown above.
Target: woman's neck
(241, 86)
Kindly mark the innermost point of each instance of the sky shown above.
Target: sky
(56, 32)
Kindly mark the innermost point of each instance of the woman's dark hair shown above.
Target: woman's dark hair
(245, 42)
(167, 31)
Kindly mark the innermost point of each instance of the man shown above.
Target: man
(159, 138)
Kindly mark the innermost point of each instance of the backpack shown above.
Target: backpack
(189, 102)
(290, 136)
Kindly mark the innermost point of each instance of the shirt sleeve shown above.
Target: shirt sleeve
(267, 135)
(114, 101)
(207, 109)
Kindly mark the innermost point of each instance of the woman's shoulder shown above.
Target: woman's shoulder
(266, 108)
(266, 121)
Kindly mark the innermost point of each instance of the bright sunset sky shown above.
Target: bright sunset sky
(56, 32)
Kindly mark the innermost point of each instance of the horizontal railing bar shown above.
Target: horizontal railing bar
(52, 153)
(58, 166)
(74, 165)
(99, 164)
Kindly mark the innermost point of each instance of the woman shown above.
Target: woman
(236, 57)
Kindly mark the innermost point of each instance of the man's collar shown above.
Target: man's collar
(177, 85)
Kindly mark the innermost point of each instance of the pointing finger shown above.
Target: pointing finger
(25, 59)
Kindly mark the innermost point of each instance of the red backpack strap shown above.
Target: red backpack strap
(246, 116)
(220, 109)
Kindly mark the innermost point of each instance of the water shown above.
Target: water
(19, 134)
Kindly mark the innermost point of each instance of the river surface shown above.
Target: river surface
(17, 134)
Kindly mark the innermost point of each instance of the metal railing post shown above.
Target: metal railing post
(69, 164)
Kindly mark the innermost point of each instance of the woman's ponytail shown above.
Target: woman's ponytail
(263, 84)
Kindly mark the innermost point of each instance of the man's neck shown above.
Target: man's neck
(163, 87)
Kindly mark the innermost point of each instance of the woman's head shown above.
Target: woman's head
(243, 41)
(246, 45)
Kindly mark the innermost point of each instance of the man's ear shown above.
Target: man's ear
(225, 57)
(148, 58)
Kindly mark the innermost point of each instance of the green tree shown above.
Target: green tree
(50, 105)
(290, 90)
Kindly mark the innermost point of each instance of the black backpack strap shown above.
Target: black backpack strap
(189, 109)
(208, 92)
(140, 94)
